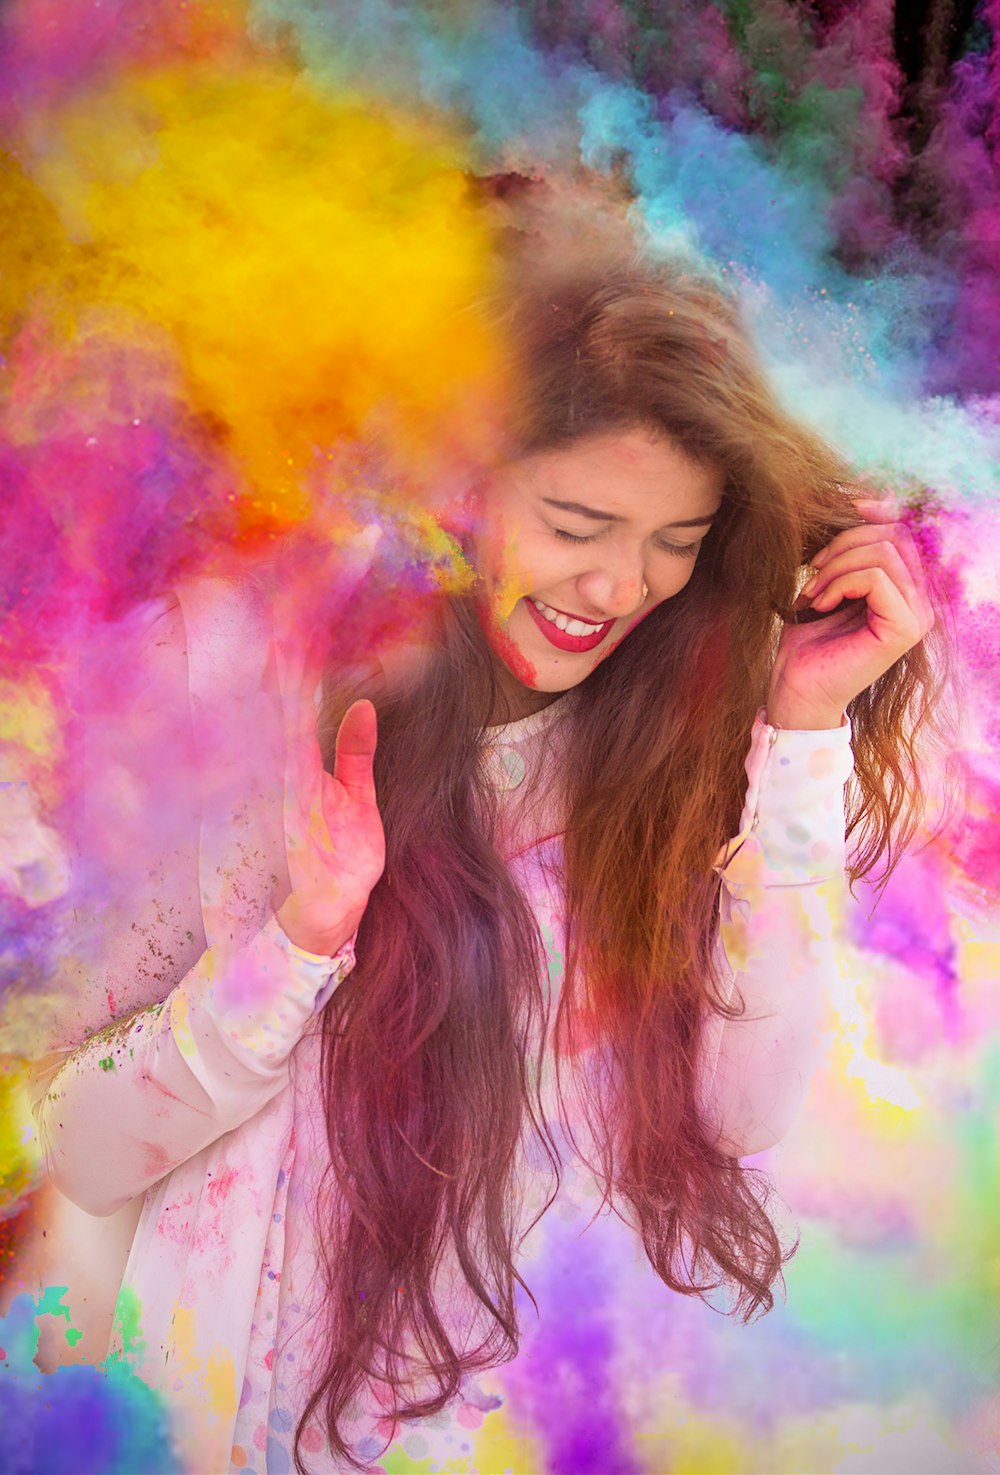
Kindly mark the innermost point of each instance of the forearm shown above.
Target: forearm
(145, 1094)
(783, 886)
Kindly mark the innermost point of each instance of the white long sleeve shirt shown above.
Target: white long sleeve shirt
(205, 1103)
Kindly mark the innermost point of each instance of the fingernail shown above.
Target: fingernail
(809, 586)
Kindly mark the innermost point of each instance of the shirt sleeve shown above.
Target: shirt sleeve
(782, 894)
(156, 1043)
(148, 1092)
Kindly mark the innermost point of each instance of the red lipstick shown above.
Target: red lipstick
(560, 639)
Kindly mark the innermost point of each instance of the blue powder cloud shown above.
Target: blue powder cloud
(78, 1420)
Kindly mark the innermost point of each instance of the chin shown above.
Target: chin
(536, 662)
(552, 684)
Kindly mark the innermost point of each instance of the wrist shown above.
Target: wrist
(798, 717)
(313, 930)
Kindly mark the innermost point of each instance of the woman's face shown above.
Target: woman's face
(571, 538)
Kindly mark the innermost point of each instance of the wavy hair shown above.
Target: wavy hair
(431, 1047)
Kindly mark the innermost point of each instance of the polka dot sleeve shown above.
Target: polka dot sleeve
(779, 915)
(792, 826)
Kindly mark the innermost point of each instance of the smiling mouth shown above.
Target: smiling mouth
(566, 632)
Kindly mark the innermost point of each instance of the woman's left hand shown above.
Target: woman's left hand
(821, 666)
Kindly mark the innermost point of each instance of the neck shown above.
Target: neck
(514, 700)
(511, 699)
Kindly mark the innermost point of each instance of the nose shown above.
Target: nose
(610, 593)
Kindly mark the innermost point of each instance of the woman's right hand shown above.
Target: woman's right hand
(334, 841)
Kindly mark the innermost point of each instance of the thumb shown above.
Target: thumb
(355, 753)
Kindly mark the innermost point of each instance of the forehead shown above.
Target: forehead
(633, 474)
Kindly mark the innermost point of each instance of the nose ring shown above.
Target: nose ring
(645, 590)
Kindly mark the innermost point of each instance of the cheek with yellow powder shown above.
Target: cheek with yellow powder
(506, 581)
(503, 569)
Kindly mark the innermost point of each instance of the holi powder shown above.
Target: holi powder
(241, 254)
(104, 1421)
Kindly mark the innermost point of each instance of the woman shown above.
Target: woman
(501, 942)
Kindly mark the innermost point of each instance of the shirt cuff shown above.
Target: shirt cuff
(328, 971)
(281, 937)
(264, 1000)
(792, 830)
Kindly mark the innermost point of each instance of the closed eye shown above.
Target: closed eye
(682, 550)
(573, 538)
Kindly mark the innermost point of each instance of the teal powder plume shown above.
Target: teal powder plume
(79, 1420)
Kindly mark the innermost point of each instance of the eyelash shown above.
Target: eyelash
(682, 550)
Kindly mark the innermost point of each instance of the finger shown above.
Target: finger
(854, 537)
(303, 759)
(868, 532)
(300, 661)
(357, 739)
(867, 535)
(909, 551)
(891, 619)
(293, 655)
(316, 649)
(299, 688)
(304, 779)
(831, 620)
(882, 554)
(910, 554)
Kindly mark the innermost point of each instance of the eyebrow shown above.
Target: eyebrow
(591, 512)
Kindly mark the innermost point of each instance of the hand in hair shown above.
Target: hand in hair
(870, 590)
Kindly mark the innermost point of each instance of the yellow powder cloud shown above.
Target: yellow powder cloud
(311, 257)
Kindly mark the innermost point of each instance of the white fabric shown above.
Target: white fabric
(207, 1103)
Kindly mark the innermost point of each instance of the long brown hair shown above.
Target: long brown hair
(429, 1076)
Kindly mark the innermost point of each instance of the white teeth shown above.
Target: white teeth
(571, 627)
